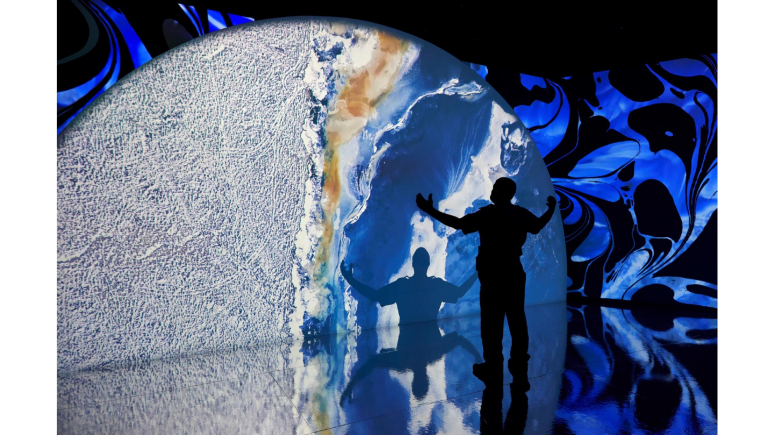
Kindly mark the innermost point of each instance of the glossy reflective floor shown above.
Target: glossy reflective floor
(592, 370)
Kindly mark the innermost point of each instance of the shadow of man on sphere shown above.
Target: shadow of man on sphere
(417, 297)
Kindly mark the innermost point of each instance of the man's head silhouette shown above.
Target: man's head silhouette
(421, 262)
(503, 191)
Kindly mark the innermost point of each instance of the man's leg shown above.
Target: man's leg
(517, 325)
(492, 322)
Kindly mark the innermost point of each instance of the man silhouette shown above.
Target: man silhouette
(503, 229)
(418, 297)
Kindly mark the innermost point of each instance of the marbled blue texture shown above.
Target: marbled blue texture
(633, 156)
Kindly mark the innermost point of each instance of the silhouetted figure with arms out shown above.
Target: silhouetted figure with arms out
(503, 229)
(418, 299)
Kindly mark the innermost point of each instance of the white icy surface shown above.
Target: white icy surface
(180, 192)
(215, 393)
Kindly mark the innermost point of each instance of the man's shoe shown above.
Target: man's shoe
(487, 372)
(518, 368)
(520, 385)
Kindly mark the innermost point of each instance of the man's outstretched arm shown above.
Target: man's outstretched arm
(455, 293)
(375, 361)
(361, 288)
(468, 284)
(539, 222)
(426, 205)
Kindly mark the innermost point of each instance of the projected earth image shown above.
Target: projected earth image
(210, 196)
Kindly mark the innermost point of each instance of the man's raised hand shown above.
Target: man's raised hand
(346, 271)
(551, 203)
(425, 204)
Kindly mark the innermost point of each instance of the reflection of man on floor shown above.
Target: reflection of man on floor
(419, 345)
(491, 412)
(503, 229)
(418, 297)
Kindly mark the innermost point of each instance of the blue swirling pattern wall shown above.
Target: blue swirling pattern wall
(115, 47)
(633, 157)
(632, 153)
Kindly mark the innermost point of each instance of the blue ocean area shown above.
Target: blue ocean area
(439, 134)
(428, 155)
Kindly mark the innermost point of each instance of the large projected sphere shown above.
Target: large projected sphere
(209, 197)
